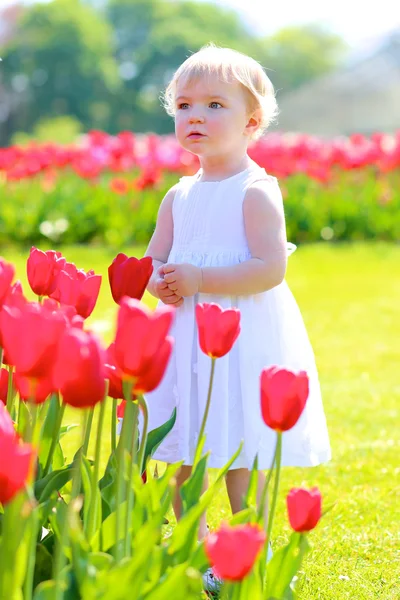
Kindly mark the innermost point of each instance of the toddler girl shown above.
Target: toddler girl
(220, 237)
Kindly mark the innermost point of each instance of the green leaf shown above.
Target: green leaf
(251, 495)
(107, 487)
(87, 489)
(67, 428)
(54, 481)
(48, 428)
(182, 583)
(46, 591)
(156, 436)
(192, 489)
(284, 565)
(43, 564)
(182, 537)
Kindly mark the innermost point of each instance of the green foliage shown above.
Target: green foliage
(63, 50)
(352, 206)
(299, 54)
(63, 129)
(106, 64)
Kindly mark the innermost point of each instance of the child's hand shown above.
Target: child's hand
(183, 279)
(164, 293)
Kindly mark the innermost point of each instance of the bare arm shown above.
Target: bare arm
(160, 245)
(266, 235)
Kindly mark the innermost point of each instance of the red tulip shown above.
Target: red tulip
(232, 551)
(14, 297)
(16, 459)
(141, 341)
(304, 508)
(77, 288)
(3, 385)
(36, 390)
(31, 333)
(218, 328)
(284, 395)
(7, 272)
(43, 269)
(79, 371)
(151, 378)
(129, 276)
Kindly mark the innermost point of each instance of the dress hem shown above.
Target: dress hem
(289, 461)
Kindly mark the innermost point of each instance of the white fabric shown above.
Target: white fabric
(209, 232)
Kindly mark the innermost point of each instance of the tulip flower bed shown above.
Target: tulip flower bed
(74, 530)
(355, 546)
(107, 189)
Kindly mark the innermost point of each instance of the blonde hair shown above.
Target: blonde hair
(228, 64)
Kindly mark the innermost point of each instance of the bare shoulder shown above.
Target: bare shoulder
(263, 198)
(169, 197)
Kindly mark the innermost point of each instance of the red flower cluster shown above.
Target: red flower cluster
(280, 154)
(50, 350)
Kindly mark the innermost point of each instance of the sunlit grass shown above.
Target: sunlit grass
(349, 297)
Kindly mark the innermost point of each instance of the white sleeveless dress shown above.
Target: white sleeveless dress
(209, 232)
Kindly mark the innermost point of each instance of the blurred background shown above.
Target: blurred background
(101, 64)
(81, 120)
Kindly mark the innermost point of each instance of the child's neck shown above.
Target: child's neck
(217, 168)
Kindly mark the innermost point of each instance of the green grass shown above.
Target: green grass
(349, 297)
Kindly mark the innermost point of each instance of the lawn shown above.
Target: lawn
(349, 297)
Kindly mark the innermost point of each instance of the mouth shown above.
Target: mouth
(195, 135)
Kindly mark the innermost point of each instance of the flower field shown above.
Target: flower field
(107, 189)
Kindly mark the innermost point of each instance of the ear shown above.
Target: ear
(253, 123)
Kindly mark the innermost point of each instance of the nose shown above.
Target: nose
(196, 118)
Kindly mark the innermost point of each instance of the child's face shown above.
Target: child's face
(216, 109)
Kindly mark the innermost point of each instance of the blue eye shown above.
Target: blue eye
(183, 104)
(211, 103)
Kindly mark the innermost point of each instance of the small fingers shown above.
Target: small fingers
(170, 278)
(173, 299)
(168, 268)
(161, 284)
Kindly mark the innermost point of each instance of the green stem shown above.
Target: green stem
(76, 477)
(276, 484)
(114, 426)
(10, 389)
(31, 424)
(143, 441)
(31, 559)
(88, 429)
(1, 356)
(13, 526)
(55, 438)
(205, 416)
(121, 487)
(263, 500)
(60, 561)
(130, 493)
(40, 299)
(96, 470)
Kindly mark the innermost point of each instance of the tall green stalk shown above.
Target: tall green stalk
(55, 438)
(199, 447)
(276, 484)
(96, 469)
